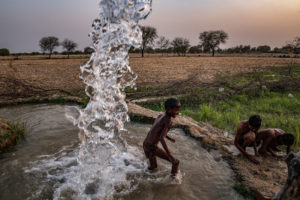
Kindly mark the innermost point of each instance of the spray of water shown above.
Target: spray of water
(105, 160)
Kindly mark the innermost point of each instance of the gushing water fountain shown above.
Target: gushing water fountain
(104, 158)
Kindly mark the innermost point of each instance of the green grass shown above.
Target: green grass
(276, 109)
(13, 135)
(18, 128)
(243, 190)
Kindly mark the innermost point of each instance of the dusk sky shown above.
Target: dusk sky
(254, 22)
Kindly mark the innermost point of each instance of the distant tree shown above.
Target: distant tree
(211, 40)
(253, 49)
(180, 45)
(195, 49)
(134, 50)
(4, 52)
(163, 44)
(288, 48)
(277, 50)
(78, 52)
(149, 35)
(239, 49)
(35, 53)
(263, 49)
(49, 44)
(69, 46)
(88, 50)
(149, 50)
(294, 45)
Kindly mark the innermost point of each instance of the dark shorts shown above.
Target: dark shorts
(149, 149)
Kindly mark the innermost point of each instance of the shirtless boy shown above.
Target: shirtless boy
(272, 138)
(245, 136)
(158, 133)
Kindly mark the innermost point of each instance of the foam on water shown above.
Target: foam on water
(105, 160)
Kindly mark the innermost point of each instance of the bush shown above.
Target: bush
(4, 52)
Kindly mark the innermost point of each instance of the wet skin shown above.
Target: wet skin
(270, 141)
(245, 137)
(158, 133)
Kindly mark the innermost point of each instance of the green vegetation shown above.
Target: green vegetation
(273, 94)
(4, 52)
(11, 134)
(243, 190)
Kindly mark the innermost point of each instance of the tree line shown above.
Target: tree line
(209, 42)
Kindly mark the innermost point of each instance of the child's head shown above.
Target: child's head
(287, 139)
(172, 107)
(254, 123)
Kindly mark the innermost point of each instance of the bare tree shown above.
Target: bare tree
(49, 44)
(69, 46)
(163, 44)
(180, 45)
(211, 40)
(149, 35)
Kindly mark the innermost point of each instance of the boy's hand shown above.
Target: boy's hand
(252, 159)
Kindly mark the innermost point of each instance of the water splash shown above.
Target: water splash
(105, 160)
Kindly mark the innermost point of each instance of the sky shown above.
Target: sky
(249, 22)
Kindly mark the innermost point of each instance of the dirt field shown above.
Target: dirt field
(63, 74)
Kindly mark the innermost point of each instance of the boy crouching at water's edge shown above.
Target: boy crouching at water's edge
(158, 133)
(246, 136)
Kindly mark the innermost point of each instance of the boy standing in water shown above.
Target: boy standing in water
(158, 133)
(272, 138)
(246, 135)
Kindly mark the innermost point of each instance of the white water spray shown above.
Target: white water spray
(104, 159)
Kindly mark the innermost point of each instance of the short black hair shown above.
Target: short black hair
(255, 121)
(171, 103)
(288, 139)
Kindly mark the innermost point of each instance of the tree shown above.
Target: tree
(49, 44)
(294, 45)
(88, 50)
(4, 52)
(69, 46)
(180, 45)
(195, 49)
(263, 49)
(163, 44)
(149, 35)
(210, 40)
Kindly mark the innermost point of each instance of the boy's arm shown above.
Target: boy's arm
(236, 142)
(163, 142)
(255, 148)
(288, 150)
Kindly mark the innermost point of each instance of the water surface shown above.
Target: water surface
(37, 166)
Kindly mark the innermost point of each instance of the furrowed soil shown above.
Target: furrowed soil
(32, 76)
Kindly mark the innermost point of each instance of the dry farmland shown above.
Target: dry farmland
(154, 71)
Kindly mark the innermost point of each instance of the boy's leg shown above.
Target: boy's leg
(162, 154)
(153, 161)
(150, 154)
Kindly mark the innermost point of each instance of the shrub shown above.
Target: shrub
(4, 52)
